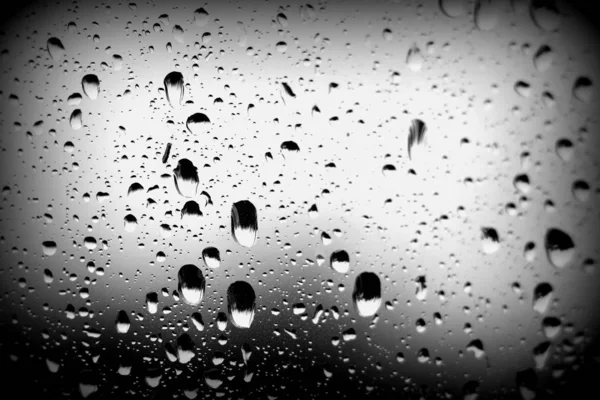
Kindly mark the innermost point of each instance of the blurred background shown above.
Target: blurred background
(408, 187)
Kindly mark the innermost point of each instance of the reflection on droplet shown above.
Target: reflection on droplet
(122, 322)
(211, 257)
(49, 248)
(367, 294)
(582, 89)
(186, 178)
(174, 88)
(542, 297)
(340, 261)
(490, 241)
(241, 304)
(560, 248)
(55, 48)
(244, 223)
(197, 123)
(191, 284)
(414, 59)
(416, 134)
(91, 86)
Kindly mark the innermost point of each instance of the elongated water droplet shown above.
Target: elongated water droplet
(122, 322)
(583, 89)
(76, 120)
(91, 86)
(201, 17)
(564, 149)
(543, 58)
(191, 284)
(367, 294)
(186, 178)
(416, 134)
(414, 59)
(542, 297)
(174, 88)
(165, 157)
(241, 304)
(486, 14)
(152, 302)
(185, 348)
(560, 248)
(244, 223)
(581, 191)
(545, 14)
(55, 48)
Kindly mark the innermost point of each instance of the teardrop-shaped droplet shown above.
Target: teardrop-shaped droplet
(55, 48)
(583, 89)
(414, 58)
(201, 17)
(521, 183)
(241, 304)
(564, 149)
(91, 86)
(186, 178)
(367, 294)
(581, 191)
(174, 88)
(122, 322)
(416, 135)
(542, 297)
(560, 248)
(76, 120)
(523, 89)
(197, 123)
(244, 223)
(191, 284)
(543, 58)
(185, 348)
(340, 261)
(541, 353)
(152, 302)
(211, 257)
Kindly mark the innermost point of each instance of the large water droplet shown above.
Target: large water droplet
(91, 86)
(416, 135)
(367, 294)
(174, 88)
(454, 8)
(244, 223)
(55, 48)
(191, 284)
(211, 257)
(197, 123)
(542, 297)
(340, 261)
(560, 248)
(186, 178)
(122, 322)
(241, 304)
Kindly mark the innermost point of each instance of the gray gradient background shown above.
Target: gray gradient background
(400, 241)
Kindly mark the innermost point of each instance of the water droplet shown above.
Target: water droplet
(583, 89)
(542, 297)
(523, 89)
(191, 284)
(185, 348)
(340, 261)
(91, 86)
(367, 294)
(543, 58)
(564, 149)
(49, 248)
(486, 14)
(75, 120)
(152, 302)
(211, 257)
(414, 59)
(560, 248)
(186, 178)
(490, 241)
(416, 134)
(244, 223)
(197, 123)
(174, 88)
(55, 48)
(201, 17)
(122, 322)
(241, 304)
(190, 210)
(545, 14)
